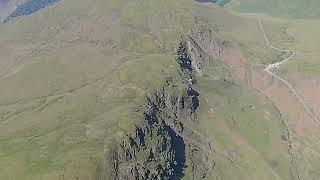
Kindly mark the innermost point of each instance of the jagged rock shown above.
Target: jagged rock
(181, 107)
(158, 147)
(156, 150)
(198, 48)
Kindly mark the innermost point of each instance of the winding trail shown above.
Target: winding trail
(275, 65)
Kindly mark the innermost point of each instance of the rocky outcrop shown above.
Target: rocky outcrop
(153, 152)
(198, 48)
(180, 105)
(157, 148)
(166, 143)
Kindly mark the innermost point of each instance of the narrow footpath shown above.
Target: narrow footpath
(276, 65)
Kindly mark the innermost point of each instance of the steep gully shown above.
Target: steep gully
(275, 65)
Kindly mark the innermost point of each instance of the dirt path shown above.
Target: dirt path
(275, 65)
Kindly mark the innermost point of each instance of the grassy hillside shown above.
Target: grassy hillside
(77, 77)
(75, 83)
(286, 8)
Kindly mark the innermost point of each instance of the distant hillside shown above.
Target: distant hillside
(218, 2)
(151, 89)
(288, 8)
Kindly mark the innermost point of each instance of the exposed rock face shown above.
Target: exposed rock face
(154, 152)
(157, 149)
(164, 143)
(198, 48)
(180, 106)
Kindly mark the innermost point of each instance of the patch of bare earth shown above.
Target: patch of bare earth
(234, 58)
(281, 96)
(304, 131)
(308, 88)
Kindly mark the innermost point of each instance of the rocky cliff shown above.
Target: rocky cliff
(166, 143)
(157, 148)
(198, 48)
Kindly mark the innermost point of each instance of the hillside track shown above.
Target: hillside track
(276, 65)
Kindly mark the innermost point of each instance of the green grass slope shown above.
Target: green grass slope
(286, 8)
(81, 75)
(67, 83)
